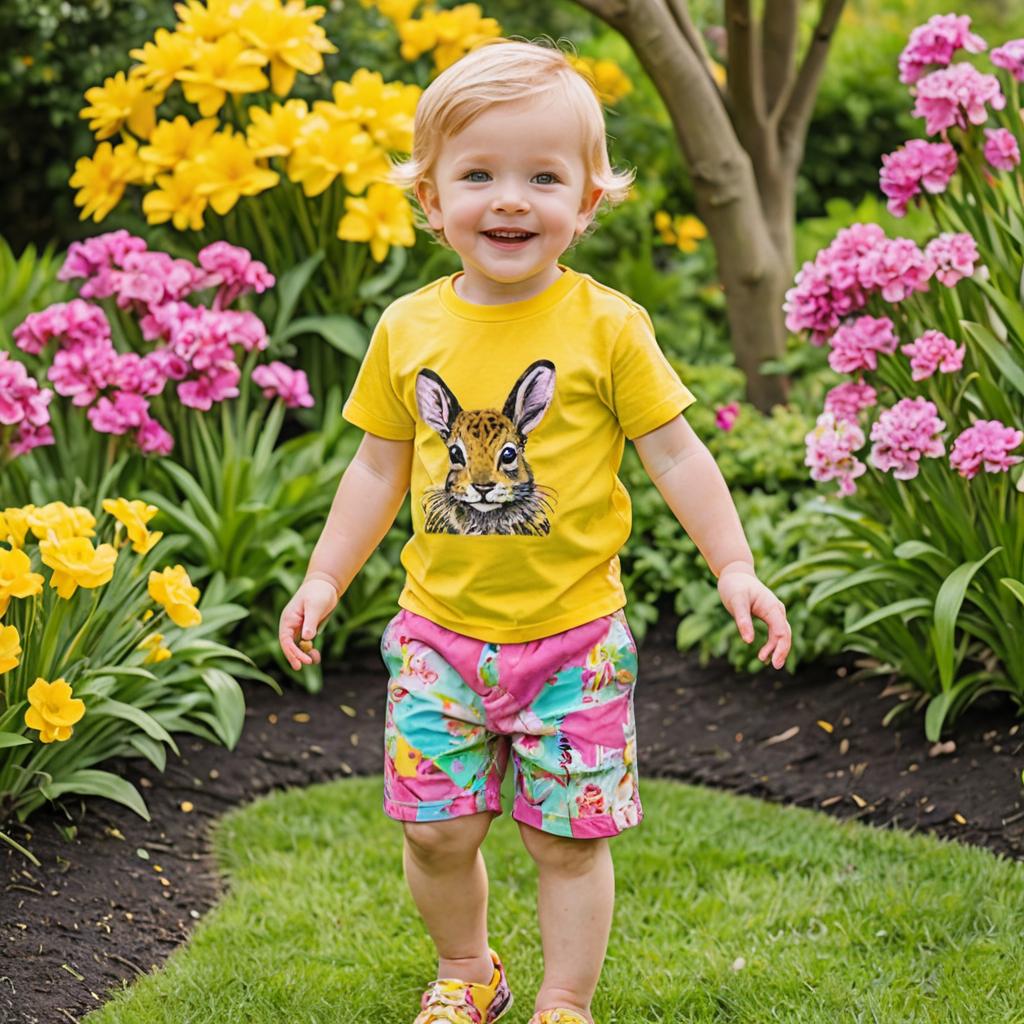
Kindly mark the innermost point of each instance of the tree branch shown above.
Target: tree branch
(744, 61)
(798, 104)
(779, 29)
(681, 16)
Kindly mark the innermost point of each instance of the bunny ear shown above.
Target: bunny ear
(437, 405)
(530, 397)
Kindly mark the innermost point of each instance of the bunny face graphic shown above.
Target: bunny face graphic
(490, 487)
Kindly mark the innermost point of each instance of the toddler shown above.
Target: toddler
(503, 395)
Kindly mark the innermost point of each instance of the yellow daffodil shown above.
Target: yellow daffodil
(134, 515)
(58, 518)
(325, 151)
(275, 132)
(53, 711)
(16, 577)
(384, 110)
(609, 81)
(160, 61)
(690, 231)
(383, 218)
(14, 525)
(10, 649)
(101, 180)
(177, 140)
(173, 589)
(450, 34)
(228, 65)
(288, 36)
(663, 225)
(229, 170)
(209, 22)
(76, 563)
(157, 652)
(395, 10)
(121, 101)
(176, 198)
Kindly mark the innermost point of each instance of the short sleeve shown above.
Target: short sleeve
(646, 390)
(373, 403)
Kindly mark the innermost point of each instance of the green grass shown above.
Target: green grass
(835, 921)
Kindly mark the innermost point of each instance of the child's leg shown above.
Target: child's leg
(448, 880)
(575, 899)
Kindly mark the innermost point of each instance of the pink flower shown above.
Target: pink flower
(239, 327)
(945, 97)
(935, 42)
(846, 400)
(1010, 57)
(914, 165)
(590, 802)
(725, 415)
(1001, 149)
(904, 434)
(81, 372)
(954, 256)
(21, 399)
(211, 387)
(140, 375)
(88, 257)
(281, 381)
(857, 344)
(70, 322)
(153, 439)
(933, 351)
(830, 448)
(234, 269)
(30, 437)
(897, 268)
(985, 442)
(124, 413)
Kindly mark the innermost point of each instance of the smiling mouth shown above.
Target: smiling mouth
(509, 236)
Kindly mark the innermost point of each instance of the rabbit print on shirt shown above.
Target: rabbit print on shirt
(490, 486)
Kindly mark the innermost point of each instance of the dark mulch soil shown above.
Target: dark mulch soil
(95, 914)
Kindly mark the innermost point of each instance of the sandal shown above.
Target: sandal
(450, 1001)
(558, 1016)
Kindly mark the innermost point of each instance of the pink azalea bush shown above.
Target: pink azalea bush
(193, 347)
(923, 433)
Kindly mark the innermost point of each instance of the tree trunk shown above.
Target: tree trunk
(743, 146)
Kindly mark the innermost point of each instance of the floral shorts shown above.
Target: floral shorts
(562, 705)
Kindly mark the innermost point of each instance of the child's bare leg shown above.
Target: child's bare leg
(575, 900)
(448, 880)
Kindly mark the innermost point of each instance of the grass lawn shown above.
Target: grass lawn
(728, 909)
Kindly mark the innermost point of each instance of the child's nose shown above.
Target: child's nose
(510, 198)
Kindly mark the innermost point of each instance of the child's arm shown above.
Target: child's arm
(685, 472)
(368, 498)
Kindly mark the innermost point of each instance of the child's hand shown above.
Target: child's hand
(744, 595)
(310, 605)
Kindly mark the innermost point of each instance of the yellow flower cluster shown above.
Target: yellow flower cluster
(448, 34)
(52, 709)
(173, 589)
(223, 49)
(682, 231)
(610, 82)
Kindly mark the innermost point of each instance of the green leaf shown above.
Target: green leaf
(896, 608)
(91, 782)
(130, 713)
(947, 607)
(13, 739)
(344, 333)
(290, 287)
(998, 353)
(871, 574)
(228, 705)
(381, 282)
(1014, 586)
(152, 751)
(910, 549)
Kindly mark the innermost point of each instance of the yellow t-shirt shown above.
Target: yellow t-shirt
(519, 413)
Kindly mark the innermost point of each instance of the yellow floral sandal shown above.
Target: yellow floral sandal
(449, 1001)
(558, 1017)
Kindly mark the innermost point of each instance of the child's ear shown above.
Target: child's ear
(427, 197)
(588, 208)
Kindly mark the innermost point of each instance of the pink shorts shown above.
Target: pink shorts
(563, 706)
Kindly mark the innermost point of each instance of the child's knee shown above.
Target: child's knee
(562, 853)
(447, 841)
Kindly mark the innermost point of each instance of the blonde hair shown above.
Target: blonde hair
(504, 70)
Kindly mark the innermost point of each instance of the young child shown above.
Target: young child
(503, 395)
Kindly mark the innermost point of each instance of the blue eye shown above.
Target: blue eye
(547, 174)
(471, 173)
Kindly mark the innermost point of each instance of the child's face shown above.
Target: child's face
(517, 166)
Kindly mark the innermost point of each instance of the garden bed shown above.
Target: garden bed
(96, 913)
